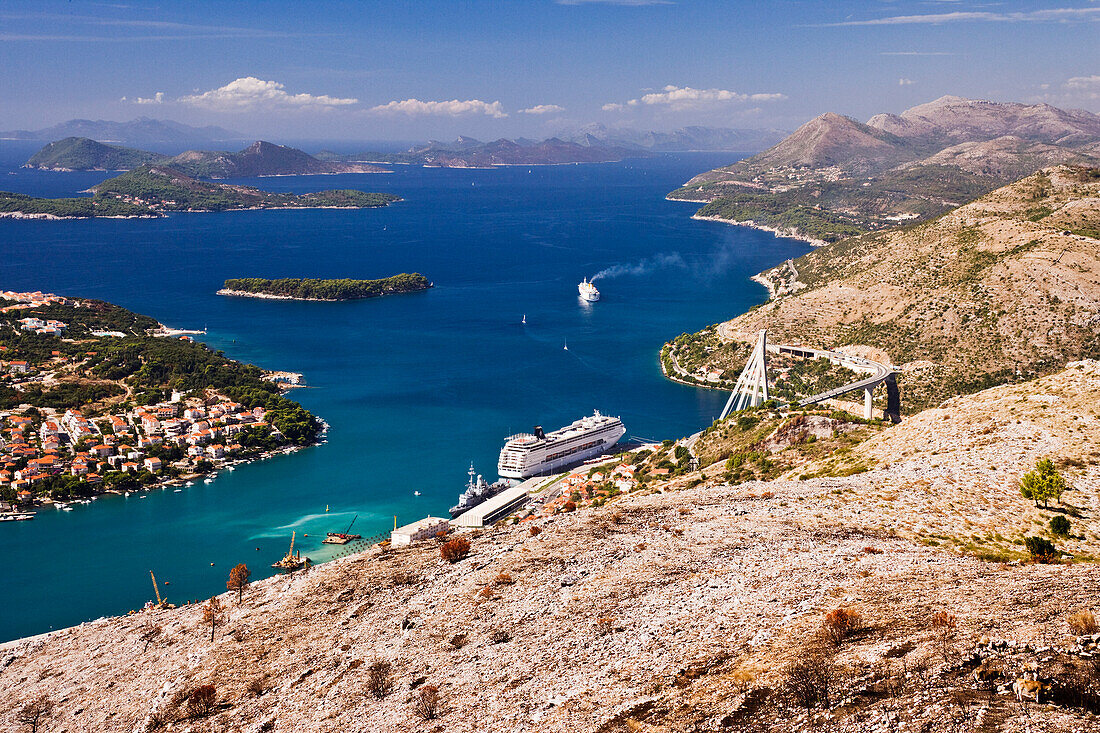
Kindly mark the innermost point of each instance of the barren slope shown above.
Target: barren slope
(677, 611)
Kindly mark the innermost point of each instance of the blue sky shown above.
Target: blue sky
(437, 68)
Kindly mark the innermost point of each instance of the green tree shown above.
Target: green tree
(1059, 526)
(1043, 484)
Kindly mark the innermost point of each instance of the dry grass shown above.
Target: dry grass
(1082, 622)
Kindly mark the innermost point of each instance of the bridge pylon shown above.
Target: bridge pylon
(751, 389)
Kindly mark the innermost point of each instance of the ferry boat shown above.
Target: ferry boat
(531, 454)
(477, 491)
(588, 291)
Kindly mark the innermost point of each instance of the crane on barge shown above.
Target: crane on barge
(291, 561)
(342, 538)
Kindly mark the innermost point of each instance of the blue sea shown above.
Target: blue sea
(414, 387)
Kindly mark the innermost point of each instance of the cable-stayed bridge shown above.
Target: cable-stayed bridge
(751, 389)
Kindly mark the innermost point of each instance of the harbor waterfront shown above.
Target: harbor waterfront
(414, 388)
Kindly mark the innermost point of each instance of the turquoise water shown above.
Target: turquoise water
(414, 387)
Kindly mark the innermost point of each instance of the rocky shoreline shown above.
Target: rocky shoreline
(787, 233)
(269, 296)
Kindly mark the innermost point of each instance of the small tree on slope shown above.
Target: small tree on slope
(1043, 484)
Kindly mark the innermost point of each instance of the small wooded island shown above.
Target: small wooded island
(294, 288)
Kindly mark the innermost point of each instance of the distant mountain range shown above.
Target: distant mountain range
(466, 152)
(835, 176)
(258, 159)
(142, 131)
(695, 138)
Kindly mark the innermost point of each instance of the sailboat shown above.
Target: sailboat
(524, 319)
(567, 344)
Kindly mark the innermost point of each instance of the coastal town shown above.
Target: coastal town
(76, 418)
(152, 445)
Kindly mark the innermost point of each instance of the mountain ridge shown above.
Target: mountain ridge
(141, 130)
(261, 158)
(835, 176)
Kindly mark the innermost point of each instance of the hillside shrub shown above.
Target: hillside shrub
(202, 700)
(427, 702)
(810, 681)
(455, 550)
(1059, 526)
(380, 678)
(1040, 549)
(1082, 622)
(841, 623)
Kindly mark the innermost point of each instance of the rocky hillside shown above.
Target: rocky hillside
(690, 606)
(835, 175)
(261, 159)
(258, 159)
(997, 290)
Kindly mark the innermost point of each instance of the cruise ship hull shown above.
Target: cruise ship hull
(526, 456)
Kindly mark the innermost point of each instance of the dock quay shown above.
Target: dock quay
(501, 505)
(422, 529)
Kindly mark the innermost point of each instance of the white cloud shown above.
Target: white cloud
(452, 108)
(903, 82)
(542, 109)
(679, 98)
(1050, 14)
(1083, 82)
(157, 98)
(248, 92)
(916, 53)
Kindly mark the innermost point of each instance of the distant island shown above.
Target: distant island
(261, 158)
(466, 152)
(151, 190)
(291, 288)
(84, 154)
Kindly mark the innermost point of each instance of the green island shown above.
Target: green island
(151, 190)
(319, 289)
(83, 154)
(94, 397)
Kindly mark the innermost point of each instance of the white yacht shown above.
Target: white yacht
(588, 291)
(531, 454)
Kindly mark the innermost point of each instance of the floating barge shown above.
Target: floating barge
(342, 538)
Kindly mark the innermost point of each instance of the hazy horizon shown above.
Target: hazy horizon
(436, 70)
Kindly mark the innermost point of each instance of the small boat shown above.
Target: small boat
(342, 538)
(189, 483)
(230, 468)
(177, 491)
(416, 493)
(567, 345)
(208, 481)
(524, 320)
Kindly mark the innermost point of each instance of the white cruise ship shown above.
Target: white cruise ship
(530, 454)
(588, 291)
